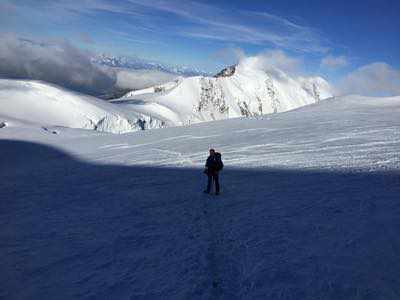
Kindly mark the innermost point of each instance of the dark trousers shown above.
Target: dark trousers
(211, 178)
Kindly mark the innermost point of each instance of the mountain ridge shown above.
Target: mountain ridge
(125, 62)
(237, 91)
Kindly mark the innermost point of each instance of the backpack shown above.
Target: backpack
(220, 164)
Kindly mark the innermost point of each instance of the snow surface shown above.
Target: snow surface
(43, 103)
(309, 208)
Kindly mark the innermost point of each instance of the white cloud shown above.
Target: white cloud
(202, 21)
(138, 79)
(68, 66)
(228, 25)
(334, 62)
(229, 55)
(55, 62)
(271, 60)
(376, 79)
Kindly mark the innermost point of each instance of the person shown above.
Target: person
(213, 166)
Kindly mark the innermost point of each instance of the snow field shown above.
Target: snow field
(309, 208)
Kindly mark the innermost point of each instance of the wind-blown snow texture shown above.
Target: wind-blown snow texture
(309, 208)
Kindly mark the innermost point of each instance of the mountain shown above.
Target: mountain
(309, 208)
(46, 104)
(237, 91)
(143, 64)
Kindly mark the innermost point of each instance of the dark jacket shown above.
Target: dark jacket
(213, 165)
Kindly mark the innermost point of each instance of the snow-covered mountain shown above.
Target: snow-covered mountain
(238, 91)
(143, 64)
(242, 90)
(46, 104)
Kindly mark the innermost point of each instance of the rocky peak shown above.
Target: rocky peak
(227, 72)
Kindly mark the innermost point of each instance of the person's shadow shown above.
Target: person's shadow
(75, 230)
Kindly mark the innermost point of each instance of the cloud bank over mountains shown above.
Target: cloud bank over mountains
(376, 79)
(58, 62)
(270, 60)
(61, 63)
(138, 79)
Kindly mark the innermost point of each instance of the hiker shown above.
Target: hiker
(213, 166)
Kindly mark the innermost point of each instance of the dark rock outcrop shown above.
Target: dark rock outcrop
(227, 72)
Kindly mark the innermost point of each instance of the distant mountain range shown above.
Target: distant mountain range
(143, 64)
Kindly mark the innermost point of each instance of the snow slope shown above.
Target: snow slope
(42, 103)
(242, 90)
(309, 208)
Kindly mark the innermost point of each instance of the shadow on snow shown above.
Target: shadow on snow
(70, 229)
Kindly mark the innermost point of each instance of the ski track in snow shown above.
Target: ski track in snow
(309, 210)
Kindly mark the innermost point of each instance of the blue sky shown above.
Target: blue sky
(331, 38)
